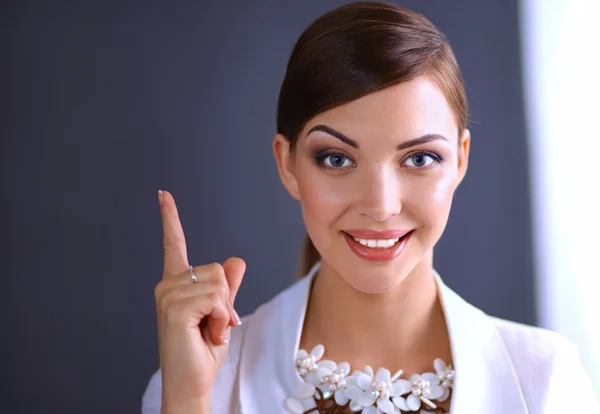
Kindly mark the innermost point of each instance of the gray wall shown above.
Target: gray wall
(105, 103)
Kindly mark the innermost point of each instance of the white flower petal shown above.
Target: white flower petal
(400, 403)
(383, 374)
(318, 351)
(352, 393)
(305, 391)
(365, 399)
(431, 377)
(385, 405)
(436, 392)
(302, 354)
(341, 397)
(401, 387)
(444, 395)
(369, 410)
(355, 406)
(365, 381)
(413, 402)
(322, 373)
(351, 382)
(312, 378)
(330, 365)
(439, 365)
(369, 371)
(343, 368)
(294, 406)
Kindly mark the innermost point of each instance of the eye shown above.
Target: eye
(421, 159)
(334, 160)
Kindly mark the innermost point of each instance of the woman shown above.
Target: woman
(372, 141)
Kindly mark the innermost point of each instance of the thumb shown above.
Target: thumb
(234, 272)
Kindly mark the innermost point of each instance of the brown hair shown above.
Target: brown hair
(355, 50)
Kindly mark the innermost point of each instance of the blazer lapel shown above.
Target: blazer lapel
(268, 374)
(486, 381)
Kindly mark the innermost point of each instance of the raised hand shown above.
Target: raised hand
(194, 318)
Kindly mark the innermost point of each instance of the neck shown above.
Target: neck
(405, 323)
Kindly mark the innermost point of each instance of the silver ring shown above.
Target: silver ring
(194, 278)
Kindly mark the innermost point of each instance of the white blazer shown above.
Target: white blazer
(502, 367)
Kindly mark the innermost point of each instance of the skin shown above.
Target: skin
(194, 319)
(355, 304)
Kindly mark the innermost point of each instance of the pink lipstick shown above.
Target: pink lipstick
(377, 245)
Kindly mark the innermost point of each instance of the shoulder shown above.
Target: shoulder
(531, 341)
(547, 365)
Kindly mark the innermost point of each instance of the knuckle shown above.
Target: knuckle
(216, 271)
(159, 291)
(163, 303)
(169, 299)
(221, 313)
(212, 297)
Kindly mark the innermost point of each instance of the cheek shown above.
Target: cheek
(322, 197)
(430, 202)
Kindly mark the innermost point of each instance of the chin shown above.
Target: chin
(374, 279)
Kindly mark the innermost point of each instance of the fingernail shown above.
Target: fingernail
(159, 196)
(236, 317)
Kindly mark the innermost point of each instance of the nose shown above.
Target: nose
(381, 195)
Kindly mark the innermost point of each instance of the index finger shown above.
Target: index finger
(176, 261)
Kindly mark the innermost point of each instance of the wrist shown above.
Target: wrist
(195, 406)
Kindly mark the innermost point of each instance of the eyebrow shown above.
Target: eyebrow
(411, 143)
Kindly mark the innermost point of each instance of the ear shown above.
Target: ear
(463, 155)
(286, 165)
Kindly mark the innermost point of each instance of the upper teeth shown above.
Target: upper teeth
(379, 243)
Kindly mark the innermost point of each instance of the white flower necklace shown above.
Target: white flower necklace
(366, 391)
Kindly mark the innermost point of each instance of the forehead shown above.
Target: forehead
(402, 111)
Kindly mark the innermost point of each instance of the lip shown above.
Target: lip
(377, 255)
(375, 235)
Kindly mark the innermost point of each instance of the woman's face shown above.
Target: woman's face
(375, 179)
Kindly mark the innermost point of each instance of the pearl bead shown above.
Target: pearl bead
(426, 392)
(302, 371)
(416, 391)
(445, 384)
(375, 394)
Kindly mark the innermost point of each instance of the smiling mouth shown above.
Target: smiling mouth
(379, 244)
